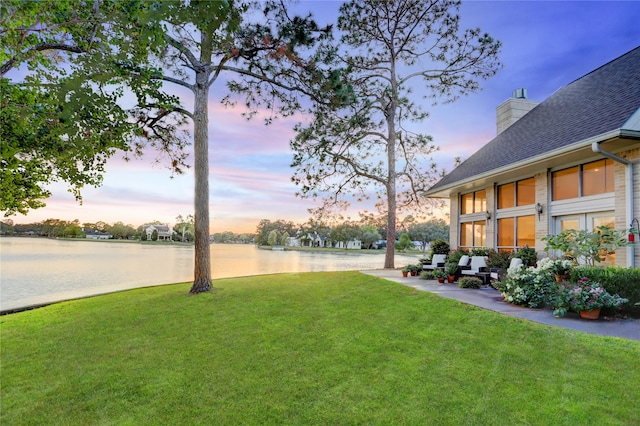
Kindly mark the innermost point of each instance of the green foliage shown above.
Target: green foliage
(427, 275)
(480, 251)
(455, 255)
(439, 273)
(531, 287)
(265, 227)
(585, 295)
(404, 242)
(344, 233)
(470, 282)
(499, 259)
(528, 255)
(591, 247)
(451, 267)
(429, 231)
(616, 280)
(273, 238)
(440, 246)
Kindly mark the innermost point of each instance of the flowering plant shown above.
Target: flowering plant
(585, 295)
(560, 267)
(531, 287)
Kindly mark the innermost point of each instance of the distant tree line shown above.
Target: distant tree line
(268, 233)
(369, 232)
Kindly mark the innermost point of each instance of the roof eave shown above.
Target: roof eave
(452, 188)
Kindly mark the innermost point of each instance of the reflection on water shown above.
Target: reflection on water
(39, 270)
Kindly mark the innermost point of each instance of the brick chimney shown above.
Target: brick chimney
(513, 109)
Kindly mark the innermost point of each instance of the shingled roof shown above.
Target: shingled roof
(596, 104)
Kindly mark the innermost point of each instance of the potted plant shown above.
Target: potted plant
(440, 275)
(561, 268)
(586, 297)
(450, 268)
(406, 270)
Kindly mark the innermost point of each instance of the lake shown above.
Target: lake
(38, 270)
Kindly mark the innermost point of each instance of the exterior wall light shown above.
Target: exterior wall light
(539, 210)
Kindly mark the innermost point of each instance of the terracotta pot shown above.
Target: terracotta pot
(451, 279)
(405, 273)
(592, 315)
(441, 280)
(414, 273)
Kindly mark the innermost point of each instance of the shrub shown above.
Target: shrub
(470, 282)
(480, 251)
(616, 280)
(531, 287)
(588, 246)
(440, 246)
(455, 255)
(427, 275)
(528, 255)
(499, 259)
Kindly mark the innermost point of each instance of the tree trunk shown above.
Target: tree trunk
(202, 265)
(389, 258)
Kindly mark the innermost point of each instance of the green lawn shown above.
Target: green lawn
(299, 349)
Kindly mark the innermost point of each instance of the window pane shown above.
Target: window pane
(479, 234)
(466, 204)
(526, 192)
(506, 196)
(597, 177)
(480, 202)
(566, 224)
(505, 232)
(526, 231)
(565, 183)
(466, 234)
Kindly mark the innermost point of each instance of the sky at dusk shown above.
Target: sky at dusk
(546, 45)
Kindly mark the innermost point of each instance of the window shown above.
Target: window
(520, 193)
(506, 196)
(516, 232)
(581, 181)
(473, 202)
(526, 192)
(473, 234)
(597, 177)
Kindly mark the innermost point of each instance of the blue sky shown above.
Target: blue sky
(546, 45)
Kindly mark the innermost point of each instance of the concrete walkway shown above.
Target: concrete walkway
(489, 298)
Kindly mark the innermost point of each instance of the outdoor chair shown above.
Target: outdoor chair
(478, 264)
(462, 263)
(497, 273)
(437, 261)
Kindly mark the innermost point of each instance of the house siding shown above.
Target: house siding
(542, 196)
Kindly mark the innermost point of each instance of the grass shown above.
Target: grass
(298, 349)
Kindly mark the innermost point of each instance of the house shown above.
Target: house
(311, 239)
(94, 234)
(569, 162)
(352, 244)
(165, 233)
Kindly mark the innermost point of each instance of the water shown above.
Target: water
(39, 270)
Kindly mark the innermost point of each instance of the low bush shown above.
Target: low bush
(531, 287)
(470, 282)
(480, 251)
(440, 246)
(427, 275)
(528, 255)
(499, 259)
(616, 280)
(456, 255)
